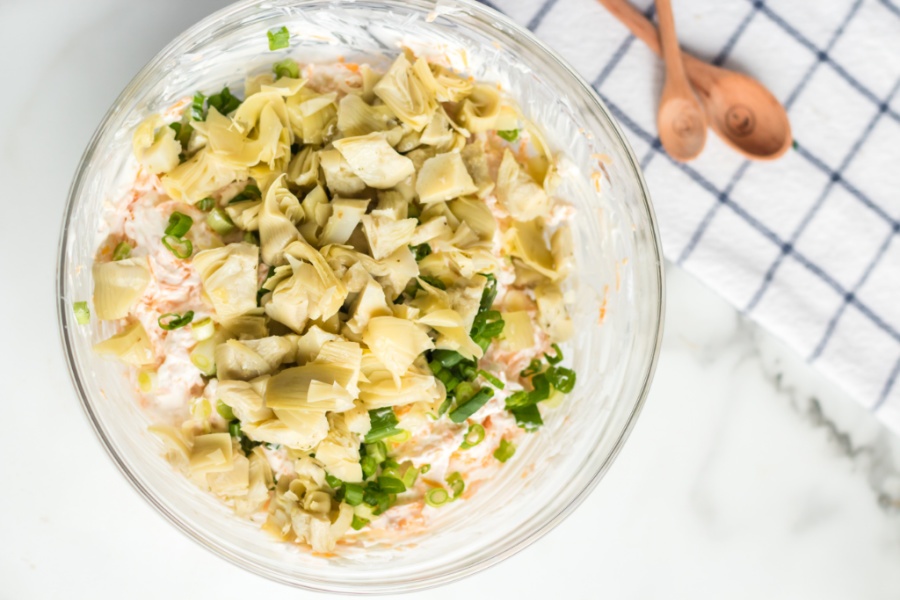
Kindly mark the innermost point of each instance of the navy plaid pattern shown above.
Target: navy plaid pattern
(814, 236)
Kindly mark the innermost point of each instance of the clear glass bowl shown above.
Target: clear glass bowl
(618, 292)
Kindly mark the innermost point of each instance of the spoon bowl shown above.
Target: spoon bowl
(682, 128)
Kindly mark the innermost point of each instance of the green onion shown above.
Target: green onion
(384, 424)
(561, 378)
(82, 313)
(369, 466)
(353, 494)
(391, 485)
(533, 368)
(247, 445)
(234, 429)
(510, 135)
(470, 407)
(170, 321)
(541, 389)
(433, 282)
(358, 523)
(437, 497)
(182, 133)
(251, 237)
(206, 204)
(179, 224)
(528, 417)
(409, 475)
(424, 469)
(122, 251)
(456, 483)
(373, 496)
(278, 38)
(447, 358)
(494, 381)
(378, 451)
(473, 437)
(224, 410)
(464, 392)
(444, 407)
(420, 251)
(517, 400)
(555, 360)
(224, 101)
(219, 221)
(490, 292)
(250, 192)
(286, 68)
(197, 113)
(203, 329)
(504, 451)
(333, 481)
(180, 247)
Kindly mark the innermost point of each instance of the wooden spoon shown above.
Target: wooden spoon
(739, 109)
(680, 120)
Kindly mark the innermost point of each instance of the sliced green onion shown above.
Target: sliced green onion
(494, 381)
(179, 224)
(391, 468)
(122, 251)
(471, 406)
(197, 113)
(399, 438)
(447, 358)
(409, 475)
(541, 389)
(490, 292)
(82, 313)
(437, 497)
(358, 523)
(554, 360)
(278, 38)
(391, 485)
(456, 483)
(170, 321)
(180, 247)
(234, 428)
(473, 437)
(378, 451)
(353, 494)
(250, 192)
(504, 451)
(182, 133)
(528, 417)
(444, 407)
(424, 469)
(224, 101)
(561, 378)
(286, 68)
(333, 481)
(420, 251)
(219, 221)
(369, 466)
(384, 424)
(517, 400)
(464, 392)
(206, 204)
(510, 135)
(224, 411)
(146, 381)
(533, 368)
(251, 237)
(203, 329)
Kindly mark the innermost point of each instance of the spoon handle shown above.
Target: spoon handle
(697, 71)
(670, 50)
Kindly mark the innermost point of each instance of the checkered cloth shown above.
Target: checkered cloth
(808, 245)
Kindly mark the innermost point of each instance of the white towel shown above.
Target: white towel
(807, 245)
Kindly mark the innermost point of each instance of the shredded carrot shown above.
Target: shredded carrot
(596, 178)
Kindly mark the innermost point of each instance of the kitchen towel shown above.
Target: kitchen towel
(807, 245)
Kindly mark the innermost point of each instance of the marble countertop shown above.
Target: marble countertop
(748, 475)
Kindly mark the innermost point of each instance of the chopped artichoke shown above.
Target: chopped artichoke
(446, 86)
(345, 216)
(386, 234)
(245, 401)
(293, 428)
(552, 314)
(479, 111)
(212, 453)
(518, 331)
(229, 278)
(369, 303)
(131, 346)
(339, 176)
(374, 161)
(235, 360)
(233, 483)
(155, 146)
(521, 196)
(303, 170)
(477, 215)
(405, 94)
(442, 178)
(476, 164)
(118, 285)
(396, 343)
(281, 211)
(525, 240)
(356, 117)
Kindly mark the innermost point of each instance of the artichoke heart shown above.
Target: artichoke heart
(200, 176)
(329, 383)
(301, 430)
(212, 453)
(405, 94)
(396, 343)
(518, 331)
(381, 388)
(339, 176)
(386, 234)
(345, 216)
(228, 275)
(552, 314)
(280, 213)
(155, 146)
(244, 400)
(356, 117)
(131, 346)
(479, 111)
(118, 285)
(525, 240)
(374, 161)
(235, 360)
(521, 196)
(443, 177)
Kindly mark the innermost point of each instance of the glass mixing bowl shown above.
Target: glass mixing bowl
(617, 297)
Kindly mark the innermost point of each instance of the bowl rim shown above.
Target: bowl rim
(64, 318)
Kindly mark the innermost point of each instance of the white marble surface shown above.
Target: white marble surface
(748, 475)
